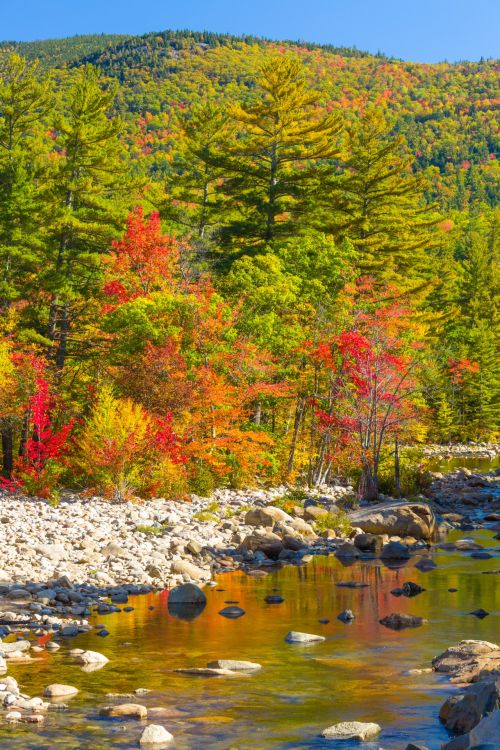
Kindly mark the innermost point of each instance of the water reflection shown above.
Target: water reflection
(356, 673)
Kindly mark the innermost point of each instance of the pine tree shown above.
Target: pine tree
(84, 198)
(377, 202)
(276, 160)
(480, 329)
(24, 102)
(192, 200)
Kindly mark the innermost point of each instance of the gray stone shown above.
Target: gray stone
(395, 551)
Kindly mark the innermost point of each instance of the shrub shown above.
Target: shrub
(124, 451)
(338, 522)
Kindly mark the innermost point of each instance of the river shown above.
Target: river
(356, 673)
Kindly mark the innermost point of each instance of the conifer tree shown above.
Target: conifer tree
(275, 162)
(24, 101)
(84, 200)
(192, 199)
(377, 202)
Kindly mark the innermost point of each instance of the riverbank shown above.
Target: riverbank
(60, 562)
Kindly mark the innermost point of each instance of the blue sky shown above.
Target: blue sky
(421, 30)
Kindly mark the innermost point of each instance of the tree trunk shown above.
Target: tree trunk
(368, 489)
(299, 413)
(7, 452)
(63, 338)
(25, 433)
(257, 415)
(397, 468)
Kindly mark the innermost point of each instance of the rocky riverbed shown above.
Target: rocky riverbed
(62, 566)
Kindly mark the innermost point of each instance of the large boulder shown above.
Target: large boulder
(486, 732)
(267, 542)
(469, 660)
(267, 516)
(396, 519)
(314, 513)
(187, 593)
(478, 700)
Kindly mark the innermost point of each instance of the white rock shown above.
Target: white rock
(234, 665)
(352, 730)
(295, 637)
(155, 734)
(91, 657)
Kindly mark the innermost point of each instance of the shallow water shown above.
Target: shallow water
(355, 674)
(473, 463)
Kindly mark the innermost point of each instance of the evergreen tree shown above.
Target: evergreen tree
(377, 203)
(85, 203)
(275, 163)
(192, 200)
(24, 102)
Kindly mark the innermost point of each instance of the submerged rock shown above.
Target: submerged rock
(479, 613)
(235, 665)
(127, 710)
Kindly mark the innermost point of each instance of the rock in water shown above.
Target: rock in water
(232, 612)
(127, 710)
(274, 599)
(412, 589)
(91, 657)
(395, 551)
(479, 613)
(155, 734)
(478, 700)
(400, 620)
(59, 691)
(186, 602)
(235, 665)
(346, 616)
(352, 730)
(206, 671)
(295, 637)
(467, 659)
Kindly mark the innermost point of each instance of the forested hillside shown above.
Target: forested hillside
(232, 260)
